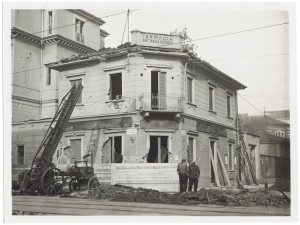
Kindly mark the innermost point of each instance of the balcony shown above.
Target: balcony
(160, 103)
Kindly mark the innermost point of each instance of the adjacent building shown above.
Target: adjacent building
(273, 130)
(39, 37)
(145, 106)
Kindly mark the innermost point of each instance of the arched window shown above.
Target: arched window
(28, 70)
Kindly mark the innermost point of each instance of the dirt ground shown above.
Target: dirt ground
(215, 196)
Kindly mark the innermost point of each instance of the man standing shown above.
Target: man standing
(194, 173)
(183, 172)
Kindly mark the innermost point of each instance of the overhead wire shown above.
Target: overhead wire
(92, 20)
(271, 119)
(199, 39)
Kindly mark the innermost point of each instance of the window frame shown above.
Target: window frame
(75, 79)
(231, 154)
(211, 98)
(110, 84)
(19, 145)
(190, 90)
(81, 144)
(81, 30)
(50, 22)
(49, 77)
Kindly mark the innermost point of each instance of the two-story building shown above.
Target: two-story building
(145, 106)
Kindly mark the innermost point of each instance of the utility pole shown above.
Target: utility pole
(128, 12)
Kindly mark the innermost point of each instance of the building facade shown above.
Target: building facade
(39, 37)
(145, 106)
(273, 130)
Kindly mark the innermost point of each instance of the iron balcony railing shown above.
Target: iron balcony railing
(156, 102)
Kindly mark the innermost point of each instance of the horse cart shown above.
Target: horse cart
(43, 177)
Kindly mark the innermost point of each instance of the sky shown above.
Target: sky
(258, 59)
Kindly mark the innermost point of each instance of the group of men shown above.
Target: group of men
(188, 173)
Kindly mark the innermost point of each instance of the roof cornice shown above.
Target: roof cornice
(89, 16)
(50, 40)
(60, 40)
(103, 33)
(20, 34)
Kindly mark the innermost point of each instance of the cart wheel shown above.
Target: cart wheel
(93, 183)
(52, 181)
(25, 181)
(74, 185)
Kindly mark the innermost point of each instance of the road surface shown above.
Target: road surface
(87, 207)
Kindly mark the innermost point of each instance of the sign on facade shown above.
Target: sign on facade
(131, 131)
(156, 40)
(211, 129)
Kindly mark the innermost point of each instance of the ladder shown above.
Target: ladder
(43, 158)
(245, 162)
(93, 145)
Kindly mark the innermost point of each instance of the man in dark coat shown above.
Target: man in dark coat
(194, 173)
(183, 172)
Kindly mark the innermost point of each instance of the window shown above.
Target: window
(20, 153)
(231, 157)
(77, 82)
(50, 22)
(190, 90)
(228, 105)
(48, 82)
(211, 99)
(79, 30)
(115, 86)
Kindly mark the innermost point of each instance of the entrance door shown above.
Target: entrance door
(158, 152)
(158, 90)
(190, 152)
(116, 151)
(112, 150)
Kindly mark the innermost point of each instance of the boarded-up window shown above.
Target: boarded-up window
(21, 155)
(77, 82)
(75, 150)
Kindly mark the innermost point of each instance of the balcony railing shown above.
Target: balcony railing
(80, 37)
(156, 102)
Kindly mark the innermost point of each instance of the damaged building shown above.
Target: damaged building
(145, 106)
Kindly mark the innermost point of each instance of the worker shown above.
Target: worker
(183, 172)
(194, 173)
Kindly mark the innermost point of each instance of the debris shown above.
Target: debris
(216, 196)
(281, 185)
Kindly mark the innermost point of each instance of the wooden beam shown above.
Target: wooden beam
(215, 168)
(223, 167)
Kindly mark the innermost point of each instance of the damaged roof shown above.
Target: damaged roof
(127, 48)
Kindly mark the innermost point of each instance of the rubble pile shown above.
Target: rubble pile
(281, 185)
(215, 196)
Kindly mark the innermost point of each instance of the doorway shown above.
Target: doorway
(158, 152)
(116, 149)
(112, 150)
